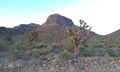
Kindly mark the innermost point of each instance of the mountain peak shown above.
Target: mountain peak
(58, 20)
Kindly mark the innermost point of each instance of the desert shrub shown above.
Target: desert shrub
(2, 47)
(86, 52)
(40, 46)
(50, 56)
(119, 45)
(98, 45)
(45, 50)
(24, 45)
(8, 39)
(109, 41)
(86, 45)
(17, 54)
(111, 53)
(106, 55)
(113, 45)
(99, 52)
(19, 44)
(69, 47)
(28, 52)
(43, 57)
(36, 52)
(48, 40)
(65, 55)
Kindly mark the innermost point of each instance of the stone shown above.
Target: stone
(119, 61)
(44, 65)
(1, 66)
(19, 65)
(11, 65)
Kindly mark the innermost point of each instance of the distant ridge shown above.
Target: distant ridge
(115, 35)
(17, 30)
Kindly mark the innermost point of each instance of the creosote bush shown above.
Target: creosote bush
(86, 52)
(114, 45)
(65, 55)
(36, 52)
(69, 47)
(43, 57)
(2, 47)
(112, 53)
(17, 54)
(98, 45)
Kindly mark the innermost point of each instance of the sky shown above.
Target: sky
(102, 15)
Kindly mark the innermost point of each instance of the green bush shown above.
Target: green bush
(8, 39)
(45, 50)
(17, 54)
(65, 55)
(86, 52)
(36, 52)
(20, 45)
(86, 45)
(69, 47)
(98, 45)
(50, 56)
(43, 57)
(39, 52)
(28, 52)
(119, 45)
(99, 52)
(24, 45)
(111, 53)
(113, 45)
(2, 47)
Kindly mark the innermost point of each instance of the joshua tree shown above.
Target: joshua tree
(33, 35)
(78, 35)
(8, 39)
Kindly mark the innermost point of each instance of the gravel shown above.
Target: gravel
(81, 64)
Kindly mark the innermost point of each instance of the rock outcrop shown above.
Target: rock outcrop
(58, 20)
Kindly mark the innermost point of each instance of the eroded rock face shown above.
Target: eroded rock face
(58, 20)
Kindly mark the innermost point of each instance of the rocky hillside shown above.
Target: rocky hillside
(115, 35)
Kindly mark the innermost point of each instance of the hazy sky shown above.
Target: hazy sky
(102, 15)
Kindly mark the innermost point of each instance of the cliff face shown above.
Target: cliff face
(58, 20)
